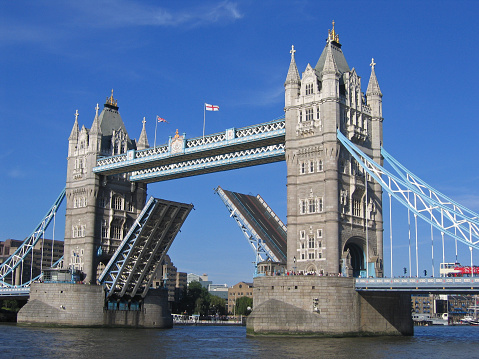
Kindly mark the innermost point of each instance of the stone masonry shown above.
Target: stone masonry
(325, 306)
(61, 304)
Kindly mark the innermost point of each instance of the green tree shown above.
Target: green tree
(195, 300)
(10, 305)
(217, 305)
(242, 305)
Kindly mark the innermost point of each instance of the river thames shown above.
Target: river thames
(228, 342)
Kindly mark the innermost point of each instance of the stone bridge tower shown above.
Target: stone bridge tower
(100, 209)
(334, 210)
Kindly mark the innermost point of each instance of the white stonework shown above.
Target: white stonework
(328, 212)
(100, 210)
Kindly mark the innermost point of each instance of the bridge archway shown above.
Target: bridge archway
(353, 255)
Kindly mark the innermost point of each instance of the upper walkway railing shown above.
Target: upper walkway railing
(444, 285)
(233, 148)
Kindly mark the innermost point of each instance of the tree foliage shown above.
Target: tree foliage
(197, 300)
(244, 305)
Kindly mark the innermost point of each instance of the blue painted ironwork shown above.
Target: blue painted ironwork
(445, 285)
(233, 148)
(258, 239)
(130, 271)
(8, 267)
(442, 213)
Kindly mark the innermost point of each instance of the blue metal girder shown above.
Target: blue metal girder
(445, 285)
(9, 266)
(424, 201)
(130, 271)
(257, 238)
(233, 148)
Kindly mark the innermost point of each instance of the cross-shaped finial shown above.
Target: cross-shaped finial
(96, 109)
(76, 115)
(372, 64)
(292, 51)
(144, 121)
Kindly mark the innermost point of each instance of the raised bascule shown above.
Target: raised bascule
(331, 248)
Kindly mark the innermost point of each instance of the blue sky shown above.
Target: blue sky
(168, 58)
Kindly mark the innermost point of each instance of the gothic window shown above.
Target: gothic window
(102, 202)
(303, 168)
(312, 205)
(302, 206)
(309, 114)
(116, 231)
(317, 113)
(117, 203)
(356, 207)
(320, 166)
(320, 234)
(319, 204)
(300, 116)
(311, 255)
(302, 255)
(104, 229)
(311, 242)
(309, 89)
(302, 235)
(311, 166)
(130, 207)
(320, 255)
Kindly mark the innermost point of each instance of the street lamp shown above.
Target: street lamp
(294, 265)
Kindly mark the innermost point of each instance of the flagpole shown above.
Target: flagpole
(204, 120)
(156, 126)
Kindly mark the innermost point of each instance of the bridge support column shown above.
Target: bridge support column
(80, 305)
(325, 306)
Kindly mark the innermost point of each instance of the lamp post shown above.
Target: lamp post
(294, 265)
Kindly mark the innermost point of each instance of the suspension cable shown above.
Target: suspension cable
(53, 238)
(391, 233)
(366, 210)
(417, 256)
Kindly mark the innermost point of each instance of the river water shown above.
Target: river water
(228, 342)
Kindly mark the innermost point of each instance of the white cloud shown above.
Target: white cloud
(123, 13)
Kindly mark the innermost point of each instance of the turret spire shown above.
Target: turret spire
(95, 127)
(75, 129)
(143, 140)
(373, 85)
(293, 74)
(330, 65)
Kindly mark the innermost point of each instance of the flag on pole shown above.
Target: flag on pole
(158, 119)
(209, 107)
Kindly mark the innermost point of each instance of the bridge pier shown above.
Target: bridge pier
(80, 305)
(325, 306)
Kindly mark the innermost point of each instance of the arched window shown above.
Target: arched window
(117, 203)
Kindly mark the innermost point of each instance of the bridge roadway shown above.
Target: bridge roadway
(233, 148)
(426, 285)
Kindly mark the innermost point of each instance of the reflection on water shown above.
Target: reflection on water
(228, 342)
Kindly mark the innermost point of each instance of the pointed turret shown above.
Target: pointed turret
(75, 129)
(292, 84)
(293, 74)
(95, 133)
(330, 66)
(375, 102)
(330, 74)
(73, 139)
(373, 85)
(143, 140)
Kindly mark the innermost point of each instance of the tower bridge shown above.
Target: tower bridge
(331, 139)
